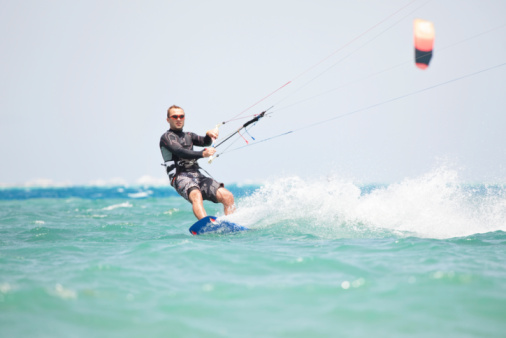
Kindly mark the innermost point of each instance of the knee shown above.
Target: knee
(195, 196)
(225, 196)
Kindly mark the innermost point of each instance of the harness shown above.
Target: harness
(176, 168)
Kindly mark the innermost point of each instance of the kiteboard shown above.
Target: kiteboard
(211, 224)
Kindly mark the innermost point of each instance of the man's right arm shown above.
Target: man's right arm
(208, 152)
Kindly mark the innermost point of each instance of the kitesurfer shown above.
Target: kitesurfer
(177, 147)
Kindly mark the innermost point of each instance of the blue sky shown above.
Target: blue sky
(86, 84)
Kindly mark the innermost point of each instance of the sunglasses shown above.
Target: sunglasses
(177, 117)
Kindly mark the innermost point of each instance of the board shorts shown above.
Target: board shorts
(187, 181)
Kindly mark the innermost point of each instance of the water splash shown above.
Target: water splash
(434, 205)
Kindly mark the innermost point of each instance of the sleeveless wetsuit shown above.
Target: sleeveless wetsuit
(177, 147)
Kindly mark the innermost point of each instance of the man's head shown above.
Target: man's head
(175, 117)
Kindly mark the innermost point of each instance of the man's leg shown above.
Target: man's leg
(197, 204)
(227, 199)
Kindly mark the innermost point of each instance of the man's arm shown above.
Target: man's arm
(201, 141)
(206, 141)
(171, 142)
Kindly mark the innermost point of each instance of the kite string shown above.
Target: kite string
(351, 53)
(371, 106)
(374, 74)
(324, 59)
(352, 82)
(346, 85)
(354, 39)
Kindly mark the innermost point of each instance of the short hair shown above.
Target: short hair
(172, 107)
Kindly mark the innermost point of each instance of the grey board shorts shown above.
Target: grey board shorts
(185, 182)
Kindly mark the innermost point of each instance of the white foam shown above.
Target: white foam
(140, 194)
(435, 205)
(64, 293)
(120, 205)
(5, 287)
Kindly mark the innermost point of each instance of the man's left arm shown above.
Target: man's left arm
(204, 141)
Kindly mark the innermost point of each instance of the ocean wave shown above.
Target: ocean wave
(145, 180)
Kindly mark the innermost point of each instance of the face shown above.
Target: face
(176, 119)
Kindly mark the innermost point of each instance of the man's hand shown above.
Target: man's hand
(208, 152)
(213, 133)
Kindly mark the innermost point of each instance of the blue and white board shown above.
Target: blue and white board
(210, 224)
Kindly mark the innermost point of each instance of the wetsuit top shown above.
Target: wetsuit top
(177, 146)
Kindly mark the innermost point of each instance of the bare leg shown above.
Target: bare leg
(197, 204)
(227, 199)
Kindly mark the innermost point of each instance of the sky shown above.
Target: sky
(85, 87)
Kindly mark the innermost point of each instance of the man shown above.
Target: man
(184, 174)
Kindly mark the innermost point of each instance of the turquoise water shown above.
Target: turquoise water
(326, 258)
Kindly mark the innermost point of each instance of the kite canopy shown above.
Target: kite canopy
(424, 42)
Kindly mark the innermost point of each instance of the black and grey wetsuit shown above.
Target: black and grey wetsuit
(182, 167)
(177, 146)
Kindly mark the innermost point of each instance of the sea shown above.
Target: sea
(324, 257)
